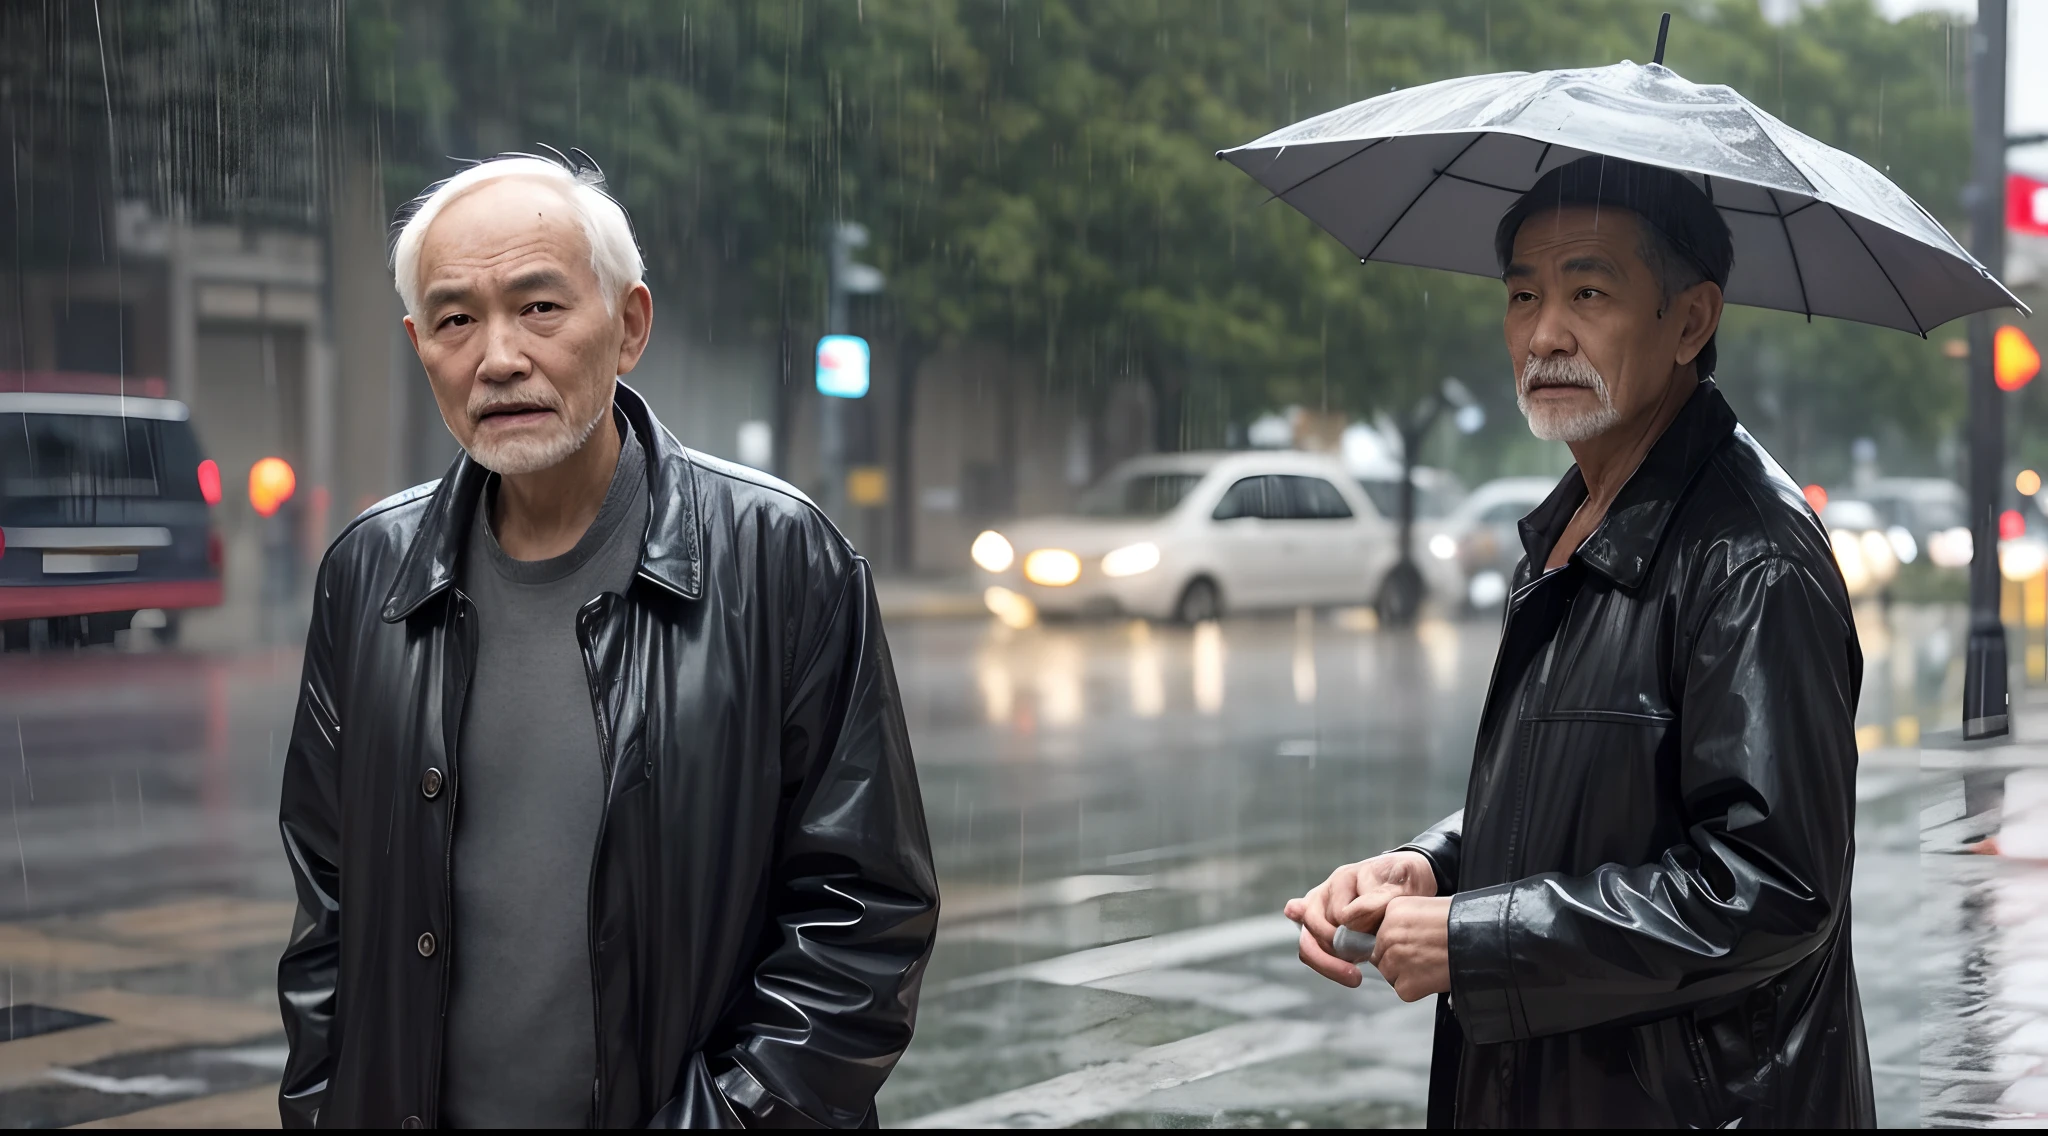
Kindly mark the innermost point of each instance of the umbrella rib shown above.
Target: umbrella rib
(1477, 182)
(1762, 212)
(1418, 197)
(1903, 302)
(1797, 274)
(1543, 155)
(1279, 193)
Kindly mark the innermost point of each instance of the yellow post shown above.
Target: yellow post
(2035, 608)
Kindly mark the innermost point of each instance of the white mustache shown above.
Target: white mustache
(1570, 371)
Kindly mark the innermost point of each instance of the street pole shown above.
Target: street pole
(832, 411)
(1985, 713)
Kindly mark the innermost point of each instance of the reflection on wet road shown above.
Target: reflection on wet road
(1118, 811)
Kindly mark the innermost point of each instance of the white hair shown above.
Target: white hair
(613, 254)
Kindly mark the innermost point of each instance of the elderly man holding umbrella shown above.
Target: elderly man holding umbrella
(1640, 917)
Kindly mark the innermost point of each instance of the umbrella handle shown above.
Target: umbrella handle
(1663, 29)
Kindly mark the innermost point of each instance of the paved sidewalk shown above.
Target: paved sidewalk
(1983, 928)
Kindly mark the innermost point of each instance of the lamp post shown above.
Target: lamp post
(844, 278)
(1985, 713)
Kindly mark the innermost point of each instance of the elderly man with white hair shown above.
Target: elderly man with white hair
(599, 801)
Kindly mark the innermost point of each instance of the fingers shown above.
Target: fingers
(1340, 890)
(1412, 951)
(1366, 912)
(1326, 964)
(1294, 909)
(1315, 921)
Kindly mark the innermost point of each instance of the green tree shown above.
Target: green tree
(1039, 175)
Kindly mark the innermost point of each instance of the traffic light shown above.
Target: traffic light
(271, 483)
(2014, 360)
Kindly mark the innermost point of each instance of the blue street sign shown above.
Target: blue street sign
(843, 366)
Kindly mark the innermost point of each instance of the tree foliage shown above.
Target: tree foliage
(1039, 174)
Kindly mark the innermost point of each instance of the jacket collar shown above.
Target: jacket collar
(1626, 541)
(671, 552)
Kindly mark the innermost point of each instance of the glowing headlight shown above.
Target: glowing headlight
(1052, 567)
(1849, 558)
(1443, 547)
(1131, 559)
(1903, 545)
(992, 552)
(1879, 556)
(2023, 559)
(1950, 548)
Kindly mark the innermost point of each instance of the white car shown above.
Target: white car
(1190, 536)
(1483, 538)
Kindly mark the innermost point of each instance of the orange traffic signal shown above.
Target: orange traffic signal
(271, 483)
(2014, 360)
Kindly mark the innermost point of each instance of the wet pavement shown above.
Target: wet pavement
(1118, 811)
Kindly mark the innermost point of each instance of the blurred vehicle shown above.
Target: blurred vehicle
(1480, 536)
(1923, 506)
(104, 511)
(1867, 550)
(1437, 491)
(1189, 536)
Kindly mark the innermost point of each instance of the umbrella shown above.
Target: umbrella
(1422, 176)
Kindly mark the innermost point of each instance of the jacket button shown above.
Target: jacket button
(427, 944)
(430, 784)
(411, 1122)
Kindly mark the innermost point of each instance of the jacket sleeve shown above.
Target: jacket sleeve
(1439, 845)
(853, 904)
(309, 817)
(1766, 778)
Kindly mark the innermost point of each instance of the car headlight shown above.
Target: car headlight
(992, 551)
(2023, 559)
(1849, 558)
(1950, 548)
(1903, 545)
(1878, 555)
(1052, 567)
(1443, 547)
(1131, 559)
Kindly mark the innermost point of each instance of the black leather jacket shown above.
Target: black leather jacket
(1651, 919)
(762, 899)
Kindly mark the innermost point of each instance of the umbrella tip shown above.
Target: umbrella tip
(1663, 29)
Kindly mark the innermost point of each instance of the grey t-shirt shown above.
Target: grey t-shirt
(521, 1034)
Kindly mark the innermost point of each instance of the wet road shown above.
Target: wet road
(1118, 811)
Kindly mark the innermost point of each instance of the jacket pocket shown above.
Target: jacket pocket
(1676, 1064)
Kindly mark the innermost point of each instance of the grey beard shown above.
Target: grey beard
(522, 457)
(1559, 424)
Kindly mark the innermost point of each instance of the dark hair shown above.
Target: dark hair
(1684, 239)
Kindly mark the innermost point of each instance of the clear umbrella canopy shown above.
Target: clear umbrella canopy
(1422, 176)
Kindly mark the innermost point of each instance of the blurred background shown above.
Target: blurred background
(1069, 319)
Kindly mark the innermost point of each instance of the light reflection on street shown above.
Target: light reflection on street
(1148, 685)
(1208, 667)
(1304, 656)
(1087, 784)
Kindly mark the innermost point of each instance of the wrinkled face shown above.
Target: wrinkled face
(1583, 323)
(513, 329)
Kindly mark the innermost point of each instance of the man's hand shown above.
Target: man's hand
(1414, 949)
(1357, 896)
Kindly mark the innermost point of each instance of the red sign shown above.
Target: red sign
(2026, 205)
